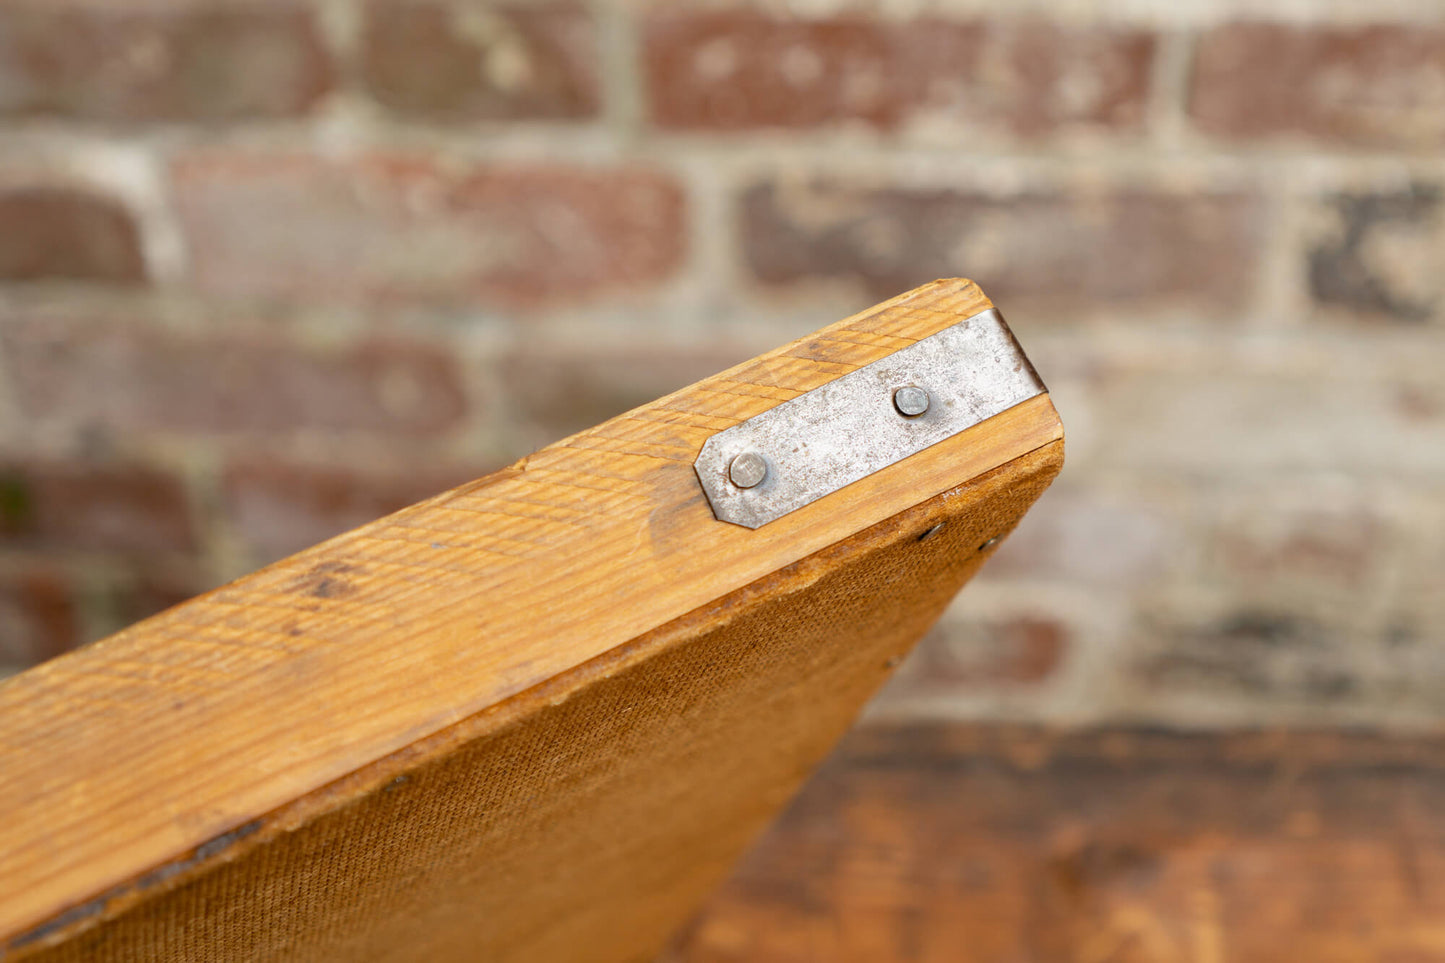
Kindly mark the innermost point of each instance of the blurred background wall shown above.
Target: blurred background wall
(271, 269)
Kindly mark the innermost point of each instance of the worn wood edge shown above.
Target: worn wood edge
(1045, 461)
(63, 873)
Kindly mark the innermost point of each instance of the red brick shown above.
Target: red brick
(552, 394)
(279, 508)
(739, 70)
(1087, 536)
(1121, 247)
(1325, 550)
(452, 61)
(48, 233)
(396, 227)
(122, 377)
(99, 507)
(167, 63)
(1370, 85)
(1017, 651)
(37, 618)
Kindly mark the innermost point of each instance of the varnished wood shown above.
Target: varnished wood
(977, 843)
(135, 763)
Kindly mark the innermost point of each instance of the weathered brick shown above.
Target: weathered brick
(1081, 534)
(552, 394)
(163, 63)
(1213, 425)
(983, 653)
(736, 70)
(1249, 651)
(415, 227)
(453, 61)
(1377, 254)
(97, 507)
(50, 233)
(1380, 85)
(278, 508)
(88, 374)
(1293, 539)
(1260, 651)
(37, 618)
(1071, 250)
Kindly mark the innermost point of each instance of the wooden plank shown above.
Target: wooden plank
(969, 843)
(245, 721)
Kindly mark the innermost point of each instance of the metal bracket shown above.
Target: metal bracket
(813, 445)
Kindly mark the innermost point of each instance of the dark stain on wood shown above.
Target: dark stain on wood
(97, 906)
(328, 580)
(64, 919)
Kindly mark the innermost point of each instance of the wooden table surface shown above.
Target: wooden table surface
(971, 843)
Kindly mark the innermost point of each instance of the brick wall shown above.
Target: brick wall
(270, 269)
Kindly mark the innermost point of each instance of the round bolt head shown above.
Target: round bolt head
(748, 469)
(911, 401)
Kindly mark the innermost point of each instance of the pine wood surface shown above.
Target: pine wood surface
(589, 817)
(980, 843)
(131, 763)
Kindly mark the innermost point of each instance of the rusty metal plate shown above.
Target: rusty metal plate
(819, 442)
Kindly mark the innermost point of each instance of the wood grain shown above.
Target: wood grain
(140, 752)
(975, 843)
(589, 816)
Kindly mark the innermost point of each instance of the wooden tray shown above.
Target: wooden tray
(535, 718)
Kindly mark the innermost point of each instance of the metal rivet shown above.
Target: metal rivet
(931, 532)
(989, 544)
(911, 401)
(748, 469)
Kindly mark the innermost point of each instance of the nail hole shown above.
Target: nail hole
(988, 544)
(931, 532)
